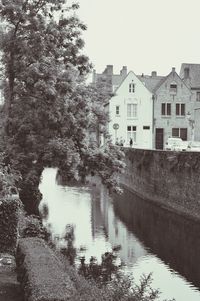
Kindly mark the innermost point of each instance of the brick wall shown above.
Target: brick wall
(163, 95)
(169, 178)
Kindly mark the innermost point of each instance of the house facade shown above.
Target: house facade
(190, 74)
(153, 109)
(130, 113)
(172, 102)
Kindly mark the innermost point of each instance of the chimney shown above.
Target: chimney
(173, 69)
(109, 70)
(123, 72)
(154, 73)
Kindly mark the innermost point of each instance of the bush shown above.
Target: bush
(41, 273)
(9, 224)
(31, 226)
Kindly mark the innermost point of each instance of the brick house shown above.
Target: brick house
(172, 102)
(190, 74)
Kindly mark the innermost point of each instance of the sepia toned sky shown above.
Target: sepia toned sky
(145, 35)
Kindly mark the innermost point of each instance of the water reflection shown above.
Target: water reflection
(148, 238)
(174, 239)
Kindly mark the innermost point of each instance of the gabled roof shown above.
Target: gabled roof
(166, 77)
(136, 77)
(194, 74)
(151, 82)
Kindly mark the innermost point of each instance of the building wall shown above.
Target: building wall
(163, 95)
(171, 179)
(196, 124)
(140, 97)
(195, 112)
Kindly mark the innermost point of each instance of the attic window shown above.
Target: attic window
(173, 88)
(131, 88)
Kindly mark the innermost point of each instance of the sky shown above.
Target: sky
(144, 35)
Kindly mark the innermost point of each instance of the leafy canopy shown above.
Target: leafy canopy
(51, 114)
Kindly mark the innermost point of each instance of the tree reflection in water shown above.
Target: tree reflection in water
(69, 250)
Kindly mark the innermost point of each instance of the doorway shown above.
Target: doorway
(159, 138)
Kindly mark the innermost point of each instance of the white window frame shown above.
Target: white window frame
(132, 110)
(165, 109)
(131, 88)
(179, 110)
(173, 88)
(132, 133)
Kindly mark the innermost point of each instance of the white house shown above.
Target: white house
(131, 113)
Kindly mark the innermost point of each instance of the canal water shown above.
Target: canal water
(151, 238)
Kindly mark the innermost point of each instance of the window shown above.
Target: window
(131, 110)
(131, 88)
(173, 88)
(117, 110)
(166, 109)
(198, 96)
(180, 133)
(146, 127)
(131, 133)
(180, 109)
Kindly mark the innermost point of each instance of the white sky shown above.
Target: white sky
(144, 35)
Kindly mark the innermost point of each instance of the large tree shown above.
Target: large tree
(49, 111)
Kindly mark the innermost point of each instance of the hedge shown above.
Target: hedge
(9, 210)
(41, 273)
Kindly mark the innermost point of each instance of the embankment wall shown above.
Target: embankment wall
(171, 179)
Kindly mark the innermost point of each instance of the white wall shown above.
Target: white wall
(143, 98)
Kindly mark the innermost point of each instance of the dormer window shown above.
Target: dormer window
(173, 88)
(132, 88)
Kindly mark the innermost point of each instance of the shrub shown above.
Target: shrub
(9, 224)
(31, 226)
(41, 273)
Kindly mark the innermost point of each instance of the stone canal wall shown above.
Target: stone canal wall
(171, 179)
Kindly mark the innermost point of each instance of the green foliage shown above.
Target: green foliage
(8, 224)
(101, 273)
(50, 113)
(119, 287)
(41, 273)
(9, 206)
(32, 227)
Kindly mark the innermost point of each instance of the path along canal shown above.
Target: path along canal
(151, 238)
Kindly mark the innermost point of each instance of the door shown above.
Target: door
(146, 141)
(159, 138)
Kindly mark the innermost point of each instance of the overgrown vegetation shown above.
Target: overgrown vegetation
(107, 277)
(9, 207)
(52, 117)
